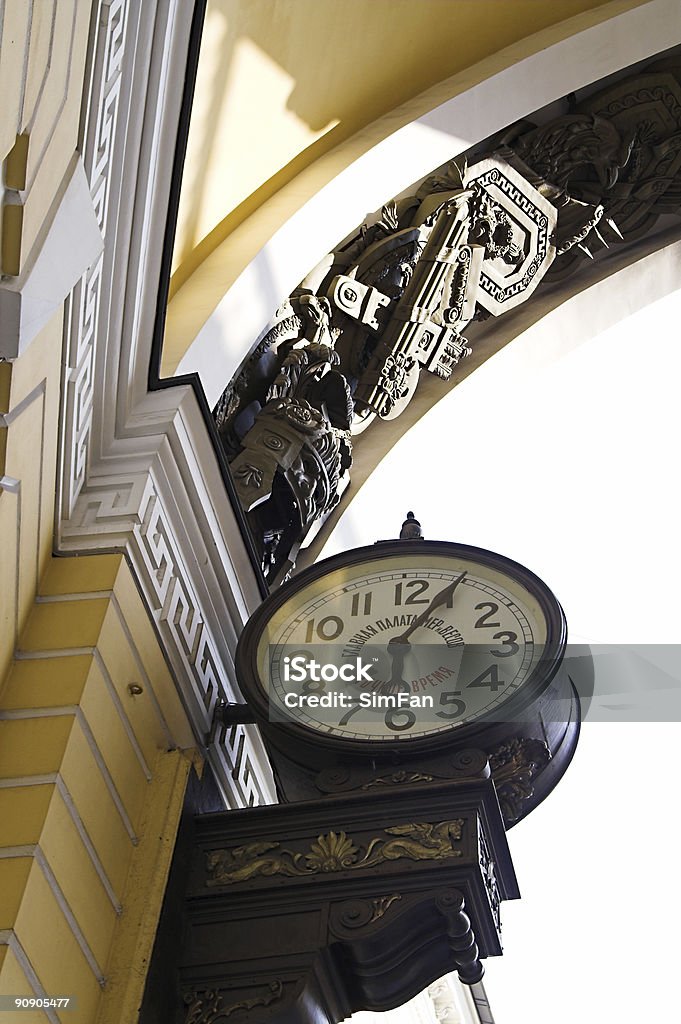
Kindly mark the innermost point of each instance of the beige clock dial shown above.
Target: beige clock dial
(442, 622)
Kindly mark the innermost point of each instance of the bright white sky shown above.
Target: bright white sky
(568, 461)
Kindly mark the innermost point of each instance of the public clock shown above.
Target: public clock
(401, 646)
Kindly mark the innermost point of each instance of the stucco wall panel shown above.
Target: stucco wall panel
(89, 794)
(43, 49)
(28, 418)
(14, 43)
(77, 878)
(14, 980)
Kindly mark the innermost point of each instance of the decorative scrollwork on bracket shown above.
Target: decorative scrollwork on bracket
(490, 879)
(515, 765)
(355, 914)
(206, 1006)
(398, 778)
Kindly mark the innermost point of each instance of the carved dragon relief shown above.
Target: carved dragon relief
(352, 341)
(334, 852)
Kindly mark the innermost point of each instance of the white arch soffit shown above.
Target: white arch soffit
(498, 98)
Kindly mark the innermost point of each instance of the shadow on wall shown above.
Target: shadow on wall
(207, 108)
(334, 68)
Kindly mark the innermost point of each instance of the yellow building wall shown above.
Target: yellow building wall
(92, 774)
(42, 61)
(95, 748)
(92, 782)
(29, 415)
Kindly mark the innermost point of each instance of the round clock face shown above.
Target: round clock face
(402, 642)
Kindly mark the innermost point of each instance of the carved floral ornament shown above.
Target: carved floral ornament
(335, 852)
(392, 303)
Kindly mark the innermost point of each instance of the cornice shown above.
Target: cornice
(137, 470)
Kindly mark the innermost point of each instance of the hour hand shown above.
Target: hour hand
(397, 649)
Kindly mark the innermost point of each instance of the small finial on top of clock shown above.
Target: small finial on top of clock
(411, 528)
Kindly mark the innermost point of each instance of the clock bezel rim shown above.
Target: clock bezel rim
(532, 689)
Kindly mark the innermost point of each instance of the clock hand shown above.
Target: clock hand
(398, 645)
(438, 600)
(397, 651)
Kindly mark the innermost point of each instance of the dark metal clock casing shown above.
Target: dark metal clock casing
(437, 600)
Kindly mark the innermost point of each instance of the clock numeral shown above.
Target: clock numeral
(353, 711)
(450, 699)
(483, 620)
(354, 609)
(508, 639)
(417, 587)
(328, 628)
(395, 713)
(490, 678)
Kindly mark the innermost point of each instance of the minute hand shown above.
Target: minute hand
(438, 600)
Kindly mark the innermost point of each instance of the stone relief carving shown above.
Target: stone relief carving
(391, 303)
